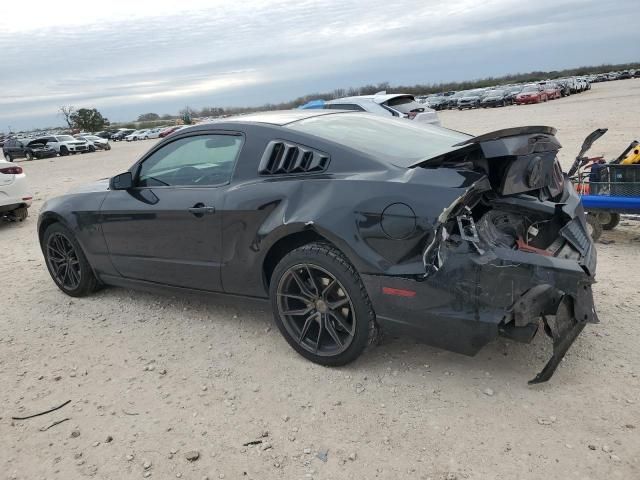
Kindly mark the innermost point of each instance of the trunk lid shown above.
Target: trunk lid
(516, 160)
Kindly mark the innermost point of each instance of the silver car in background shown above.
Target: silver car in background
(395, 104)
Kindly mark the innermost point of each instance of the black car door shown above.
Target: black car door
(166, 229)
(17, 151)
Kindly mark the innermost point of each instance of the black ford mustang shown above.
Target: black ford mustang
(347, 222)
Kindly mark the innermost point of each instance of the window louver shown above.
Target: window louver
(281, 158)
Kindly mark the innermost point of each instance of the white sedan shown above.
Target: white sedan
(155, 133)
(15, 198)
(98, 143)
(137, 135)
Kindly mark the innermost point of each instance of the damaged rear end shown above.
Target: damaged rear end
(513, 248)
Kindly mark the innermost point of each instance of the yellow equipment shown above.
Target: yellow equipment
(633, 157)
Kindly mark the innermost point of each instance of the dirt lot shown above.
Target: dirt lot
(151, 378)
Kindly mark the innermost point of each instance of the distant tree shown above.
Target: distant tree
(67, 111)
(166, 116)
(145, 117)
(339, 93)
(88, 119)
(186, 114)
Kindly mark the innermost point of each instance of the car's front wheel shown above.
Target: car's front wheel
(320, 305)
(66, 262)
(7, 157)
(28, 155)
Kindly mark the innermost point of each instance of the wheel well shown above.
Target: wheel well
(44, 225)
(285, 245)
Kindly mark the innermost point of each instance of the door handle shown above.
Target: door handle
(199, 210)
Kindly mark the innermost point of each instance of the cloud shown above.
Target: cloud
(160, 55)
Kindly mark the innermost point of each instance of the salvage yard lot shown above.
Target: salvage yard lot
(164, 376)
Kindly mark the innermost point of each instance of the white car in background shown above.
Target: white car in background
(155, 133)
(95, 142)
(15, 198)
(399, 105)
(64, 144)
(137, 135)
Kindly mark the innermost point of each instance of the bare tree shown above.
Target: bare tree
(67, 111)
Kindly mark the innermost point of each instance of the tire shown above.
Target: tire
(107, 146)
(609, 221)
(64, 151)
(594, 227)
(8, 157)
(352, 319)
(20, 214)
(92, 149)
(28, 155)
(86, 280)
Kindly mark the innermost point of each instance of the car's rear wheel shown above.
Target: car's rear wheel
(320, 305)
(66, 262)
(7, 157)
(28, 155)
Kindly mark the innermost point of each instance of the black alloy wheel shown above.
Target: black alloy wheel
(66, 262)
(320, 305)
(316, 310)
(63, 261)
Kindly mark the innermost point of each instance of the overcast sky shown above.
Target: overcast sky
(131, 57)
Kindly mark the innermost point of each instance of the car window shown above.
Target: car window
(65, 138)
(404, 104)
(397, 141)
(344, 106)
(191, 161)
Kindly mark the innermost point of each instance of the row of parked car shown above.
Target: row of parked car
(622, 75)
(503, 95)
(131, 135)
(47, 146)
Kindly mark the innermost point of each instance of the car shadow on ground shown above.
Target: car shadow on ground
(502, 360)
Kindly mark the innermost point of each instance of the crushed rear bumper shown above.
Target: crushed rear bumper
(473, 299)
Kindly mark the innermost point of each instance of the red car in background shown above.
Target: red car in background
(552, 90)
(531, 94)
(169, 130)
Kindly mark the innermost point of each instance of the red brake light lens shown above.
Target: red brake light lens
(11, 170)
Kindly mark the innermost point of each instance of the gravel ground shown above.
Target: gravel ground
(156, 381)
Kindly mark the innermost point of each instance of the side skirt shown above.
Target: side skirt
(153, 287)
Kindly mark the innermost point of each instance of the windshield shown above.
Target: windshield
(65, 138)
(496, 93)
(530, 88)
(397, 141)
(405, 104)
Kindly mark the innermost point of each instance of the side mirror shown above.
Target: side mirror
(124, 181)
